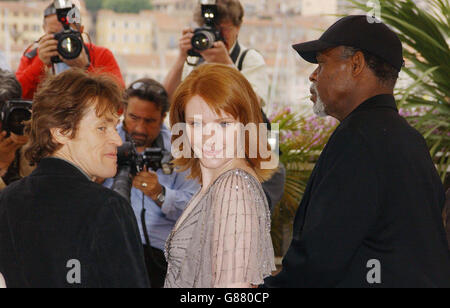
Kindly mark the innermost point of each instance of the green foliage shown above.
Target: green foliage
(127, 6)
(120, 6)
(94, 5)
(426, 101)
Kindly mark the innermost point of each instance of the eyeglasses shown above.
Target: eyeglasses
(148, 88)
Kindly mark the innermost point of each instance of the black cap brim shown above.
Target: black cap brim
(309, 50)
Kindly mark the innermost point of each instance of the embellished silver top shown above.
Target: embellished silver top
(224, 238)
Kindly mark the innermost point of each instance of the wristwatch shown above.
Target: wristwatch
(162, 196)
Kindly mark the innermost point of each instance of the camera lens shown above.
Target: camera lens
(70, 46)
(203, 40)
(67, 45)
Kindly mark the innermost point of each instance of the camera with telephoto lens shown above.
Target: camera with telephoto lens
(13, 114)
(130, 163)
(205, 37)
(70, 41)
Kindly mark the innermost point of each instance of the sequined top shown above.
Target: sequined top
(224, 238)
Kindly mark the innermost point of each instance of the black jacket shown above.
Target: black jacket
(447, 217)
(374, 196)
(57, 216)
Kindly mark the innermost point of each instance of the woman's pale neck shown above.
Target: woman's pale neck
(210, 175)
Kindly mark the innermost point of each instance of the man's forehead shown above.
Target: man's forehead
(105, 115)
(109, 117)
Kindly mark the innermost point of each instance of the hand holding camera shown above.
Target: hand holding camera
(207, 42)
(147, 182)
(13, 114)
(67, 45)
(133, 169)
(185, 42)
(48, 48)
(8, 147)
(48, 53)
(69, 42)
(81, 62)
(217, 54)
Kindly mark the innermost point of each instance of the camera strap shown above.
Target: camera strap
(147, 246)
(235, 53)
(241, 60)
(159, 142)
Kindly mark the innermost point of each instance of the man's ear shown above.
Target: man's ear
(358, 63)
(81, 29)
(59, 135)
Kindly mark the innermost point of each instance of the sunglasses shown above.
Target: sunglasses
(149, 88)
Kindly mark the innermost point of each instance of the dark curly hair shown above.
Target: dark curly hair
(149, 90)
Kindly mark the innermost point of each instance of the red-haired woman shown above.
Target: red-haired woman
(223, 237)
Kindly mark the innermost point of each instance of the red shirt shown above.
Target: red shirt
(31, 71)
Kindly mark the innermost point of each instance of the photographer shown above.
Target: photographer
(37, 60)
(162, 196)
(228, 22)
(13, 165)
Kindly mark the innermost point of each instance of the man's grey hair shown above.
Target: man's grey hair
(10, 88)
(385, 72)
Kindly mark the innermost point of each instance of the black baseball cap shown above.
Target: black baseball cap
(358, 31)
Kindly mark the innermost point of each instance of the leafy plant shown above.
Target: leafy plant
(426, 100)
(120, 6)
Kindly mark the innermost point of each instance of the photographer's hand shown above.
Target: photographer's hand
(147, 182)
(218, 54)
(81, 62)
(8, 148)
(185, 44)
(48, 48)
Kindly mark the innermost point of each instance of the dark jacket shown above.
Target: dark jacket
(447, 217)
(372, 209)
(57, 216)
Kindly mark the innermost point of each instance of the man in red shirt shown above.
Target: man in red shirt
(36, 62)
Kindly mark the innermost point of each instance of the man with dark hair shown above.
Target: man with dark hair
(163, 197)
(371, 215)
(13, 165)
(58, 228)
(36, 60)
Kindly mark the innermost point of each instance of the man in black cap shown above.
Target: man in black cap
(371, 212)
